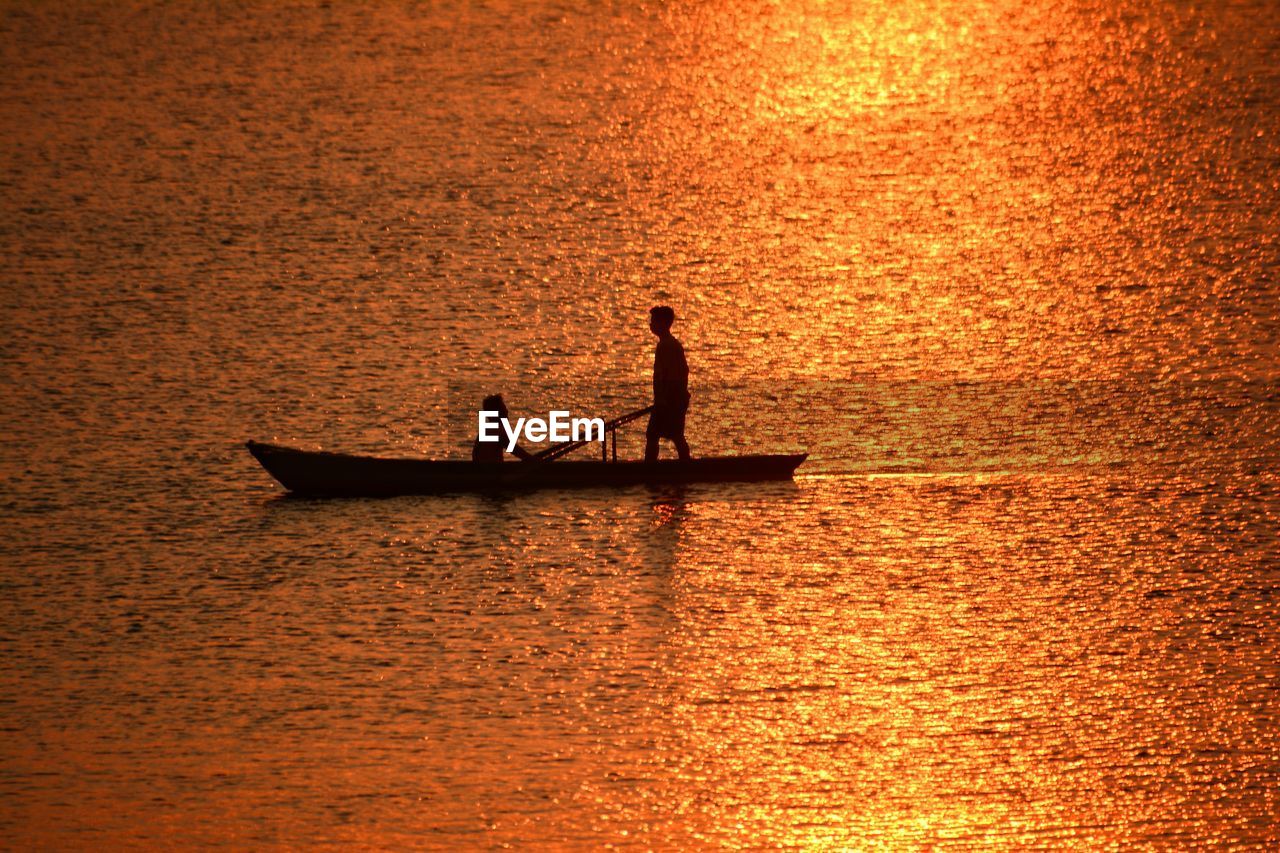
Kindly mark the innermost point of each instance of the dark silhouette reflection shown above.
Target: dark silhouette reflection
(670, 506)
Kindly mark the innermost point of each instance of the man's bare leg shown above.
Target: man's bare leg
(682, 447)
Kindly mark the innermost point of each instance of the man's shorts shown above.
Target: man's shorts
(667, 422)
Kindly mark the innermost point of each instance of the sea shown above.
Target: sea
(1007, 270)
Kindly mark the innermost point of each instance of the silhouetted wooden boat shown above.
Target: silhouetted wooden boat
(318, 473)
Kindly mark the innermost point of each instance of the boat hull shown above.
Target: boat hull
(337, 474)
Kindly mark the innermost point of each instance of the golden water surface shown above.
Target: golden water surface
(1006, 270)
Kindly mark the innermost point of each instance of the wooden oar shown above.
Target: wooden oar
(564, 448)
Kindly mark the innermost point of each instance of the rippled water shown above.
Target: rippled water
(1007, 271)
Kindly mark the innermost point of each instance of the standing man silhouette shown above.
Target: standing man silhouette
(670, 387)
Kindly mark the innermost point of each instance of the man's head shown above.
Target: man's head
(494, 403)
(660, 319)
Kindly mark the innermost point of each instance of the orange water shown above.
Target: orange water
(1008, 271)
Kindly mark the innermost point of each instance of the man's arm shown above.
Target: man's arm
(680, 368)
(670, 374)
